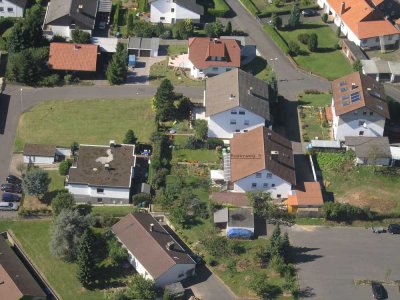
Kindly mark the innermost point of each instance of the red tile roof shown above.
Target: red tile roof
(202, 49)
(73, 57)
(235, 199)
(311, 196)
(364, 20)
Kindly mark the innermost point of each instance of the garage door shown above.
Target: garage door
(133, 52)
(145, 53)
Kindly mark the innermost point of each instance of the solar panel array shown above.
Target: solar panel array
(355, 97)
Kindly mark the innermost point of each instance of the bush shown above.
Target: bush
(191, 143)
(334, 211)
(303, 38)
(141, 198)
(213, 143)
(64, 166)
(69, 79)
(324, 17)
(167, 34)
(357, 66)
(338, 32)
(313, 42)
(294, 48)
(51, 80)
(6, 23)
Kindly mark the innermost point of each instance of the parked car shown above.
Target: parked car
(11, 188)
(378, 291)
(8, 197)
(9, 206)
(13, 179)
(394, 228)
(378, 229)
(309, 12)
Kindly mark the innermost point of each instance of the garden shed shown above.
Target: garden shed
(143, 47)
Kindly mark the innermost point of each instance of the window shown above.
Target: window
(246, 122)
(254, 185)
(273, 185)
(242, 112)
(237, 130)
(100, 190)
(371, 113)
(245, 130)
(390, 37)
(99, 200)
(215, 68)
(364, 113)
(1, 9)
(172, 9)
(377, 40)
(10, 9)
(279, 195)
(233, 122)
(228, 69)
(233, 112)
(361, 133)
(360, 123)
(258, 175)
(269, 175)
(265, 185)
(162, 18)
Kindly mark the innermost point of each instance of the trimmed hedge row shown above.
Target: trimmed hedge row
(277, 38)
(284, 10)
(250, 6)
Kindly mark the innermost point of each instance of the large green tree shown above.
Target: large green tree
(80, 37)
(163, 101)
(63, 200)
(36, 182)
(118, 67)
(294, 18)
(201, 130)
(130, 137)
(86, 258)
(141, 288)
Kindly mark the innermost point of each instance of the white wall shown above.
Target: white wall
(219, 125)
(60, 30)
(78, 189)
(281, 187)
(38, 160)
(172, 275)
(138, 266)
(17, 12)
(91, 191)
(211, 71)
(162, 8)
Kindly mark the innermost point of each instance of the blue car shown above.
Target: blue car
(8, 197)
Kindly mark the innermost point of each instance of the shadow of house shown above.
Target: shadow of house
(4, 105)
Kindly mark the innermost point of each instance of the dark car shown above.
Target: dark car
(394, 228)
(7, 197)
(309, 12)
(11, 188)
(13, 179)
(378, 291)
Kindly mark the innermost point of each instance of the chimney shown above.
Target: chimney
(250, 91)
(77, 47)
(269, 135)
(343, 8)
(79, 9)
(170, 246)
(151, 227)
(107, 166)
(353, 85)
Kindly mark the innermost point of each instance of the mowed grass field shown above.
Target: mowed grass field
(85, 121)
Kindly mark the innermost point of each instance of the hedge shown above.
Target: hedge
(6, 23)
(116, 15)
(250, 6)
(220, 8)
(284, 10)
(277, 38)
(143, 4)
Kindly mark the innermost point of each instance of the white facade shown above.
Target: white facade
(99, 194)
(225, 124)
(361, 122)
(38, 160)
(64, 31)
(167, 11)
(210, 71)
(9, 9)
(264, 181)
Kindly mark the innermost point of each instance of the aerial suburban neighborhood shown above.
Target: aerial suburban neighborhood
(199, 149)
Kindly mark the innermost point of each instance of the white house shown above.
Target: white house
(260, 160)
(359, 107)
(210, 57)
(12, 8)
(103, 174)
(152, 251)
(38, 154)
(172, 11)
(370, 150)
(241, 105)
(362, 22)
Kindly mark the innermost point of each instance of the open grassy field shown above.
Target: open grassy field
(327, 61)
(85, 121)
(318, 100)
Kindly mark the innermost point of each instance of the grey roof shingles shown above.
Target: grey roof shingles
(236, 88)
(143, 43)
(241, 217)
(369, 146)
(39, 150)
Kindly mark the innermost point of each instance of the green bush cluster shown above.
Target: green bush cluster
(334, 161)
(344, 212)
(303, 38)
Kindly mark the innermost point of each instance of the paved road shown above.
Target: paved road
(330, 259)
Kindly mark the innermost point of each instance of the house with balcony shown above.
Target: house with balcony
(241, 105)
(260, 160)
(172, 11)
(359, 107)
(362, 22)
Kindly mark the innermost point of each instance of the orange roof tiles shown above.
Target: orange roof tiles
(73, 57)
(364, 20)
(201, 51)
(311, 196)
(328, 114)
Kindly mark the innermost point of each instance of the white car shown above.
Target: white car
(9, 206)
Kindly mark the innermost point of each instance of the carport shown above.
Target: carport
(143, 47)
(381, 70)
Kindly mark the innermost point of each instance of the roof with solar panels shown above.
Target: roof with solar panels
(356, 91)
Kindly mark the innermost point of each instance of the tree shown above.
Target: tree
(214, 29)
(184, 108)
(80, 37)
(116, 252)
(86, 258)
(276, 21)
(67, 231)
(63, 200)
(74, 148)
(118, 67)
(129, 24)
(262, 204)
(357, 66)
(201, 130)
(313, 42)
(228, 28)
(294, 18)
(163, 101)
(294, 48)
(141, 288)
(260, 285)
(130, 138)
(285, 247)
(64, 166)
(36, 182)
(141, 198)
(275, 242)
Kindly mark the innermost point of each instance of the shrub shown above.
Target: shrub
(64, 166)
(141, 198)
(338, 32)
(357, 66)
(294, 48)
(324, 17)
(345, 212)
(69, 78)
(313, 42)
(191, 143)
(303, 38)
(213, 143)
(51, 80)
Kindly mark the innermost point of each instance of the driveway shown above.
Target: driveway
(329, 259)
(140, 74)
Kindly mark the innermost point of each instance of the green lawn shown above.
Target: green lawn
(201, 155)
(173, 50)
(57, 180)
(318, 100)
(85, 121)
(220, 8)
(328, 61)
(312, 124)
(259, 68)
(116, 211)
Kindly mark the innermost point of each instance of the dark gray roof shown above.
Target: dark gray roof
(72, 13)
(143, 43)
(19, 3)
(39, 150)
(188, 4)
(357, 52)
(236, 88)
(241, 217)
(369, 146)
(18, 273)
(91, 166)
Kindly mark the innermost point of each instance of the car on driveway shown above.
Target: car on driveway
(13, 179)
(8, 197)
(309, 12)
(394, 228)
(11, 188)
(378, 291)
(9, 206)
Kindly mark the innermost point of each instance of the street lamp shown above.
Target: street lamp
(273, 59)
(22, 107)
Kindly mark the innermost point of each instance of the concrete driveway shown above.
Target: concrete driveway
(330, 259)
(140, 74)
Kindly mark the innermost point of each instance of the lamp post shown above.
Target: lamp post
(272, 60)
(22, 107)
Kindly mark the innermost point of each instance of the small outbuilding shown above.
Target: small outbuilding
(143, 47)
(240, 223)
(39, 154)
(221, 218)
(306, 200)
(352, 51)
(370, 150)
(382, 70)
